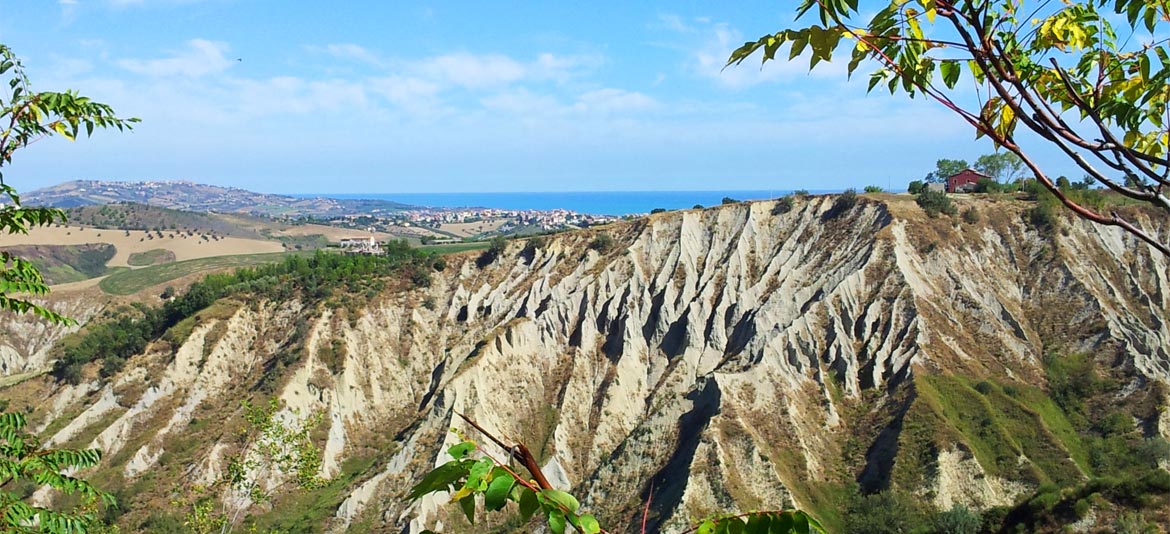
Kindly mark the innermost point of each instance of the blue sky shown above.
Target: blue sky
(382, 97)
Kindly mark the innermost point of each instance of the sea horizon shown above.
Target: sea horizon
(616, 203)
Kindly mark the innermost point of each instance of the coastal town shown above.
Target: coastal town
(441, 224)
(422, 223)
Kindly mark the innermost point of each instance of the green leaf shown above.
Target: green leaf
(589, 524)
(556, 521)
(800, 524)
(477, 478)
(439, 479)
(950, 72)
(529, 504)
(781, 523)
(467, 504)
(461, 450)
(758, 523)
(706, 527)
(561, 498)
(498, 489)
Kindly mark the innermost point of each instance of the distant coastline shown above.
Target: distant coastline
(588, 202)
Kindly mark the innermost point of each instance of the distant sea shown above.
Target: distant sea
(591, 202)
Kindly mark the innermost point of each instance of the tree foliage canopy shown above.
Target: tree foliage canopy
(945, 168)
(1003, 167)
(1090, 77)
(23, 458)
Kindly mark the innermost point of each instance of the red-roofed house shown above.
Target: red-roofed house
(964, 181)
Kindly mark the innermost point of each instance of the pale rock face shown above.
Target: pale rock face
(708, 355)
(25, 339)
(962, 481)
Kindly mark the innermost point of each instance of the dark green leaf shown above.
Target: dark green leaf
(467, 504)
(529, 504)
(498, 489)
(440, 479)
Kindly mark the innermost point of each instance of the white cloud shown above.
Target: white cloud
(706, 46)
(351, 52)
(68, 10)
(614, 101)
(475, 71)
(482, 71)
(202, 57)
(413, 96)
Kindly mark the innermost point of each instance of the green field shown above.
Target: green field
(130, 282)
(151, 257)
(451, 248)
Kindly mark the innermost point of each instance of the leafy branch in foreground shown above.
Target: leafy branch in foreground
(1091, 77)
(273, 450)
(27, 117)
(23, 459)
(482, 475)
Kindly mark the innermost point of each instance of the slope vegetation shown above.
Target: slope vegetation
(752, 356)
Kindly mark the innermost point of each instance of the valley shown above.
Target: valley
(843, 358)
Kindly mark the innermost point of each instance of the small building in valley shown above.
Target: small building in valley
(964, 181)
(361, 245)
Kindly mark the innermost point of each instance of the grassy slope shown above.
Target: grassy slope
(997, 422)
(130, 282)
(61, 264)
(151, 257)
(452, 248)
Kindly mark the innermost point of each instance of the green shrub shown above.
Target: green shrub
(958, 520)
(888, 512)
(970, 215)
(935, 202)
(987, 185)
(729, 200)
(1042, 216)
(1081, 508)
(1133, 523)
(498, 246)
(602, 242)
(783, 205)
(842, 204)
(874, 189)
(916, 187)
(534, 244)
(657, 210)
(420, 277)
(697, 207)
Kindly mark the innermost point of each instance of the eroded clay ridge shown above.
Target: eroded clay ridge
(728, 357)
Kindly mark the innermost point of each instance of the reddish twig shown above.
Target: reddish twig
(646, 509)
(518, 451)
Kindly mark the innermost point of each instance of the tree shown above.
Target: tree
(27, 117)
(23, 459)
(1002, 167)
(1084, 76)
(915, 187)
(273, 450)
(945, 168)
